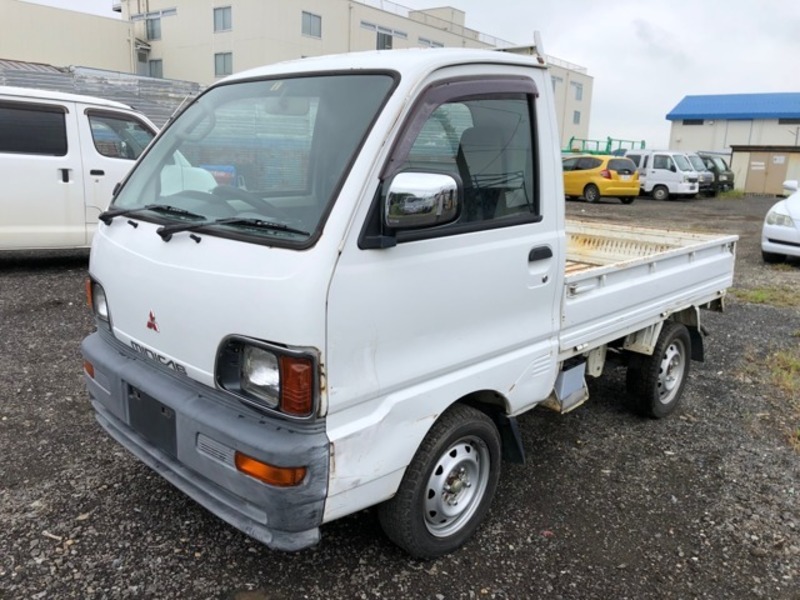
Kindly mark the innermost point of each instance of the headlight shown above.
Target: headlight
(260, 375)
(268, 376)
(723, 178)
(781, 220)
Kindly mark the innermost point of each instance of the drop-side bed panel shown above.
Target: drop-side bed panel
(621, 278)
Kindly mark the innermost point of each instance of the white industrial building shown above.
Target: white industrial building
(760, 133)
(203, 40)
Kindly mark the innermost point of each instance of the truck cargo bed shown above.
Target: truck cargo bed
(620, 279)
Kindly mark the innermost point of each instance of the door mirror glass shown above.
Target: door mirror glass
(416, 200)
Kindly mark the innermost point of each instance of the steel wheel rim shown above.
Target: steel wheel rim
(671, 371)
(456, 486)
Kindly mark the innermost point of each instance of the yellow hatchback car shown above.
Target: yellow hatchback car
(600, 176)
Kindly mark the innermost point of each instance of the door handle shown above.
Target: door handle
(97, 172)
(540, 253)
(64, 175)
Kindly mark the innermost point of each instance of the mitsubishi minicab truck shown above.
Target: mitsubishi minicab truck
(385, 280)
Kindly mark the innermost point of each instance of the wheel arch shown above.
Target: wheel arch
(496, 407)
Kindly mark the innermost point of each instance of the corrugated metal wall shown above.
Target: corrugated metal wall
(156, 98)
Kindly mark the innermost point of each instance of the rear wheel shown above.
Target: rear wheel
(628, 199)
(591, 193)
(448, 487)
(660, 193)
(655, 383)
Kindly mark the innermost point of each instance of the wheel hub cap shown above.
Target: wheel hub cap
(456, 486)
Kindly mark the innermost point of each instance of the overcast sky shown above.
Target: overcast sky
(644, 56)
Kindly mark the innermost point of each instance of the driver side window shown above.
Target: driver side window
(486, 144)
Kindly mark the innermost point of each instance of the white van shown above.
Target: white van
(665, 174)
(60, 157)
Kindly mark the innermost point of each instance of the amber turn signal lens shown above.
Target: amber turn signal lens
(297, 386)
(89, 294)
(89, 368)
(277, 476)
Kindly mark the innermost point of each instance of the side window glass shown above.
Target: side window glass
(569, 164)
(118, 136)
(487, 144)
(436, 146)
(660, 162)
(34, 130)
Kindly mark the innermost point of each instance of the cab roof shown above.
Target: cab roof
(411, 62)
(19, 92)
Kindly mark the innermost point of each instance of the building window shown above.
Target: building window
(384, 41)
(153, 27)
(693, 121)
(556, 80)
(312, 25)
(426, 43)
(155, 68)
(788, 121)
(223, 64)
(578, 87)
(576, 117)
(222, 18)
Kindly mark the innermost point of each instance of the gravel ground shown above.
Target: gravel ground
(705, 504)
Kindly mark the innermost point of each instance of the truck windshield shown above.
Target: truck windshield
(683, 162)
(697, 163)
(271, 151)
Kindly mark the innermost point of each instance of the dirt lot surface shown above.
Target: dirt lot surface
(705, 504)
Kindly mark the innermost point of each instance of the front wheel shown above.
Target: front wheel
(448, 487)
(771, 257)
(655, 383)
(660, 193)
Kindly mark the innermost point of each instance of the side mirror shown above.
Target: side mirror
(416, 200)
(791, 185)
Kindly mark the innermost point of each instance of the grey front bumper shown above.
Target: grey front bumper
(209, 428)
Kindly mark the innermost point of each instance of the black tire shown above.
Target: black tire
(428, 517)
(655, 383)
(660, 193)
(772, 258)
(591, 193)
(627, 199)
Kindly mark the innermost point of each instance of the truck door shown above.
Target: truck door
(112, 141)
(472, 301)
(40, 172)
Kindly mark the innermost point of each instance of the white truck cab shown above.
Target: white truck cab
(60, 157)
(384, 280)
(665, 174)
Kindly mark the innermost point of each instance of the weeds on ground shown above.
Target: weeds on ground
(774, 296)
(781, 370)
(731, 195)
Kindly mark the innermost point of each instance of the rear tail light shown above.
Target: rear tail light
(605, 174)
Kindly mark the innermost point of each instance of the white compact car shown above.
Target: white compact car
(780, 236)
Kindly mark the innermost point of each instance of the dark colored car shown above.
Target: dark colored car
(723, 176)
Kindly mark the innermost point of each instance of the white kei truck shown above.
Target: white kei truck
(382, 282)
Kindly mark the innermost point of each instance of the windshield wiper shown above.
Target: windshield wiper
(166, 231)
(109, 215)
